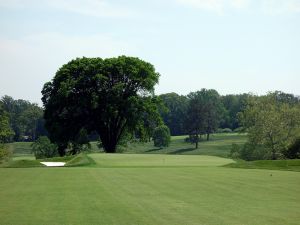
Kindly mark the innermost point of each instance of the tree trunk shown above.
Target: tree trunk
(109, 146)
(196, 144)
(273, 154)
(207, 137)
(62, 149)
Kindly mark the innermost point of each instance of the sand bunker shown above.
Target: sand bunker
(53, 163)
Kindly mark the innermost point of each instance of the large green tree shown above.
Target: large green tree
(108, 96)
(204, 113)
(272, 122)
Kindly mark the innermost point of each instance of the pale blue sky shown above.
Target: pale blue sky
(233, 46)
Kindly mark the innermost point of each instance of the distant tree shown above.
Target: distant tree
(195, 117)
(161, 136)
(214, 111)
(174, 116)
(30, 119)
(108, 96)
(43, 148)
(204, 114)
(149, 120)
(233, 105)
(25, 118)
(271, 123)
(5, 130)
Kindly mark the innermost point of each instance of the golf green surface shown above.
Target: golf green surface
(149, 189)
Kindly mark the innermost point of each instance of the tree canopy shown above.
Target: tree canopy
(174, 116)
(272, 122)
(5, 130)
(25, 118)
(204, 113)
(104, 95)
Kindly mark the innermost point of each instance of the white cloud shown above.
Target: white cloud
(270, 7)
(277, 7)
(239, 4)
(210, 5)
(218, 6)
(94, 8)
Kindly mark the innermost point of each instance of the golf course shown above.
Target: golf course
(162, 188)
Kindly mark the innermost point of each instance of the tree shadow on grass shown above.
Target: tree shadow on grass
(182, 150)
(154, 150)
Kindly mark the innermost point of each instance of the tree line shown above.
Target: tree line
(114, 99)
(24, 119)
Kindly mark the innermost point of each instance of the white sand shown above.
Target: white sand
(53, 163)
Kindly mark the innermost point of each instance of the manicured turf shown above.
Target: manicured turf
(120, 189)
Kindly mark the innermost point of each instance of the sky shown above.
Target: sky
(233, 46)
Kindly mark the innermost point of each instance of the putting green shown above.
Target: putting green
(156, 160)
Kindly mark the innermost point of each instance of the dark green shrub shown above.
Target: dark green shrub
(161, 136)
(234, 151)
(293, 152)
(5, 153)
(249, 152)
(43, 148)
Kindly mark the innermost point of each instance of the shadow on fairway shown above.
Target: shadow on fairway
(180, 151)
(154, 150)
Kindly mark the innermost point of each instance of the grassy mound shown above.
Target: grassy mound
(291, 165)
(80, 160)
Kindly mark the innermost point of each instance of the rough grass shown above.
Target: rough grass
(119, 189)
(292, 165)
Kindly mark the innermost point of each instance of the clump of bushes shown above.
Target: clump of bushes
(5, 153)
(239, 130)
(225, 130)
(161, 136)
(293, 151)
(249, 152)
(43, 148)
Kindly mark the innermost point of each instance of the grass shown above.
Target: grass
(219, 145)
(149, 189)
(292, 165)
(156, 160)
(21, 148)
(30, 161)
(80, 160)
(181, 186)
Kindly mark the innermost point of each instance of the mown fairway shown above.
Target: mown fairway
(149, 189)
